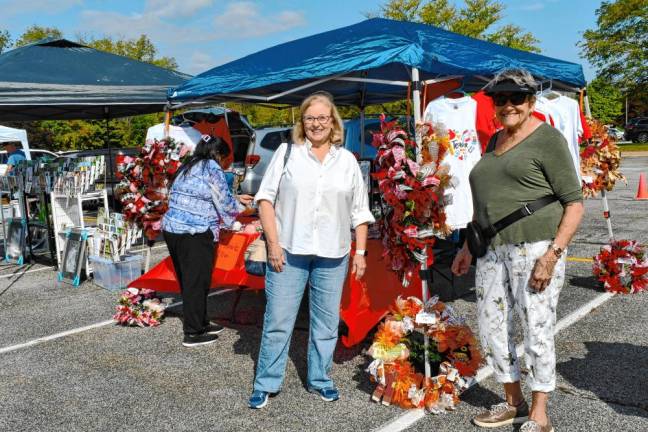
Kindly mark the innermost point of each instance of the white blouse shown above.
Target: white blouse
(318, 202)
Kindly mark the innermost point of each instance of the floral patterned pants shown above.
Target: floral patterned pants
(502, 284)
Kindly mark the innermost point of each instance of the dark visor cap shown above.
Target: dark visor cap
(509, 87)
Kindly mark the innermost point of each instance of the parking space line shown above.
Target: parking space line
(406, 420)
(580, 259)
(77, 330)
(25, 272)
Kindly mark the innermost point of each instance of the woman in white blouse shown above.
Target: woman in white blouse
(307, 209)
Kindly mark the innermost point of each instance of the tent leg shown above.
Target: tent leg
(110, 165)
(416, 102)
(362, 131)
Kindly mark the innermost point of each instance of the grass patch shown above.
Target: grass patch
(633, 147)
(629, 147)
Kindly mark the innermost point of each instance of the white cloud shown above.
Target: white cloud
(50, 7)
(243, 20)
(176, 8)
(200, 62)
(132, 26)
(533, 6)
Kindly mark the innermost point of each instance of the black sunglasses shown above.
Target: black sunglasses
(515, 98)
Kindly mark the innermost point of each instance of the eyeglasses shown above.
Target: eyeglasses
(323, 119)
(515, 98)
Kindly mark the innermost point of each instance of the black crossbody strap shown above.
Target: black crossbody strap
(522, 212)
(283, 171)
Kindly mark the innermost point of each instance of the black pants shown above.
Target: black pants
(193, 260)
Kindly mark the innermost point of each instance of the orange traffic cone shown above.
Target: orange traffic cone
(642, 191)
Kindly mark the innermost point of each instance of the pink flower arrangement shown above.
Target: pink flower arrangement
(139, 307)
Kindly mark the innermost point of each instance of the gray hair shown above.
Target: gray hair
(520, 77)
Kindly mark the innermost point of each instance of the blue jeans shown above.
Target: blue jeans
(284, 292)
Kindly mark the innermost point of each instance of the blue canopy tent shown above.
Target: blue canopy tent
(367, 63)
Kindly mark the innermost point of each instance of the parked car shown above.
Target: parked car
(206, 121)
(36, 154)
(265, 141)
(637, 130)
(615, 132)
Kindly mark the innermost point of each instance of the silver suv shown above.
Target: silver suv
(261, 148)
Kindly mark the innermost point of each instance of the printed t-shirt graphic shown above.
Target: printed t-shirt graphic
(458, 116)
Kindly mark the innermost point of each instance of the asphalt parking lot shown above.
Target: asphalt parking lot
(64, 367)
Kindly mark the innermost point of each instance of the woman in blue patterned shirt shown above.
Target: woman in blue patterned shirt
(200, 203)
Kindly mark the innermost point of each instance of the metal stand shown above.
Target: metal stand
(606, 214)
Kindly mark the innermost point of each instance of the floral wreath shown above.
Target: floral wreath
(622, 266)
(453, 347)
(412, 195)
(145, 181)
(139, 307)
(600, 162)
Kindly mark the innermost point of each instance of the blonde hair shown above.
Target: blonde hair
(337, 129)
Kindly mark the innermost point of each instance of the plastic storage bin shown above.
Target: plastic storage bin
(115, 276)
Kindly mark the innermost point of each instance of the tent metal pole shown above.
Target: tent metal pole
(110, 158)
(604, 199)
(362, 131)
(425, 289)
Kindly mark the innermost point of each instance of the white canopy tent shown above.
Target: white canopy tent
(8, 134)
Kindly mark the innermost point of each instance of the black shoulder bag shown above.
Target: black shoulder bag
(479, 238)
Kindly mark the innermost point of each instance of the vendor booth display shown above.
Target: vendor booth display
(64, 185)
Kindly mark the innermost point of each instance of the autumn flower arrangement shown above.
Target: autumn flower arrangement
(453, 350)
(139, 307)
(622, 266)
(412, 194)
(144, 182)
(600, 162)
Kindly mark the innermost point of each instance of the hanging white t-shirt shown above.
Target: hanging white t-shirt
(184, 134)
(566, 114)
(459, 117)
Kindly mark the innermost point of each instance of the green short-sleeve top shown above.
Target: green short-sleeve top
(538, 166)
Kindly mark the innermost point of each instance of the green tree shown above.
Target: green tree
(475, 19)
(141, 49)
(618, 48)
(5, 40)
(606, 101)
(36, 33)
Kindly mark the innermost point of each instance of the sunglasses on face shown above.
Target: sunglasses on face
(515, 99)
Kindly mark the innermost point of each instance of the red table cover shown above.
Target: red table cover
(364, 303)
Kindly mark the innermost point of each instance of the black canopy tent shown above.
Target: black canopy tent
(56, 79)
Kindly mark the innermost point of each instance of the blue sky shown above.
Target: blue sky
(202, 34)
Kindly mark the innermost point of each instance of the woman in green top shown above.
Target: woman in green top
(524, 267)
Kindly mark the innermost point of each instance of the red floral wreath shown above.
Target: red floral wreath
(411, 192)
(145, 181)
(622, 266)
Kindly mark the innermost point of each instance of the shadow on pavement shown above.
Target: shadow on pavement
(607, 372)
(586, 282)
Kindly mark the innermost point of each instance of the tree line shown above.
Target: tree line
(617, 48)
